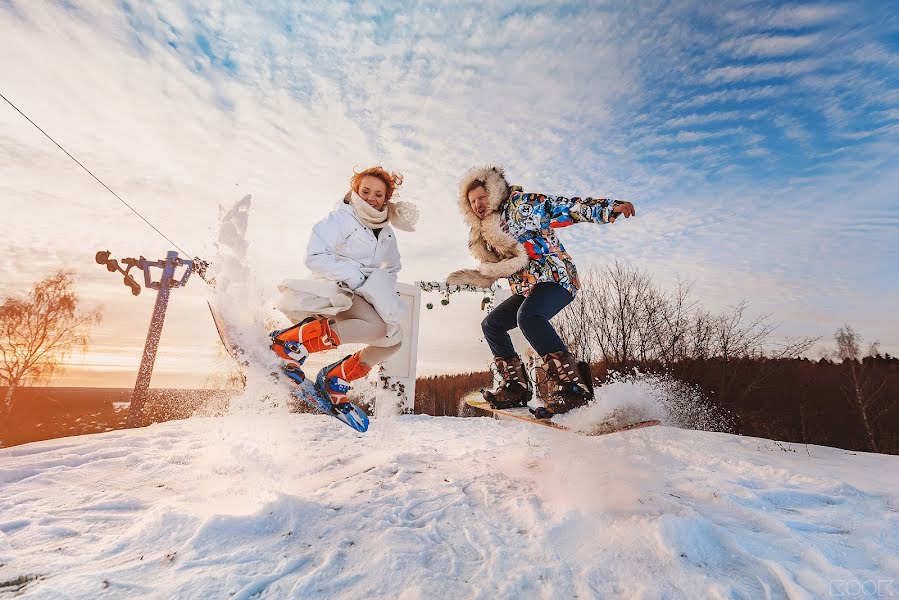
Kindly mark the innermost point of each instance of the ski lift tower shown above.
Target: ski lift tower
(163, 289)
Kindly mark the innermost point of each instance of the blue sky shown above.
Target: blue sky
(758, 140)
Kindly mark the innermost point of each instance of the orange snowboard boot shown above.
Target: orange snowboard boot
(335, 378)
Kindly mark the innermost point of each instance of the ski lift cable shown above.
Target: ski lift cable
(94, 176)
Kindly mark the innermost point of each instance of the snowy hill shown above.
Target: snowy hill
(421, 507)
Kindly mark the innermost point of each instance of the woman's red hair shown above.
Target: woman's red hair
(391, 180)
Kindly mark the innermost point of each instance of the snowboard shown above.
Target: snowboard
(477, 401)
(302, 388)
(235, 351)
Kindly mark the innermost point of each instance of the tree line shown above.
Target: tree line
(621, 322)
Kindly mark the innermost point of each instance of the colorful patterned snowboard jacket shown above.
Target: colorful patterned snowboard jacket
(533, 219)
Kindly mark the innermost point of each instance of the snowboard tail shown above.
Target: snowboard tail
(308, 392)
(235, 351)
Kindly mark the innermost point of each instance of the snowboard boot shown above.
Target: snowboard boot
(570, 381)
(294, 344)
(335, 378)
(515, 389)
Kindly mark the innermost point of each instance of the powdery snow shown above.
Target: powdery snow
(300, 506)
(624, 400)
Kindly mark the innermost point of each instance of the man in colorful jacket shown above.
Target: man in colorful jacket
(512, 234)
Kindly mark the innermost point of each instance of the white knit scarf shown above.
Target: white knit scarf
(369, 215)
(402, 215)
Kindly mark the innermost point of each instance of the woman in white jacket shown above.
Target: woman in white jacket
(354, 258)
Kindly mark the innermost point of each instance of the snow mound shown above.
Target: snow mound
(295, 506)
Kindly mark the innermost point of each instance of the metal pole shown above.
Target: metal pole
(142, 386)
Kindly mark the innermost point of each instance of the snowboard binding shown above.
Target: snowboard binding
(572, 381)
(294, 344)
(502, 400)
(515, 389)
(297, 342)
(334, 380)
(294, 372)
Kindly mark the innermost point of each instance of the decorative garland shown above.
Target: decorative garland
(449, 289)
(381, 395)
(386, 382)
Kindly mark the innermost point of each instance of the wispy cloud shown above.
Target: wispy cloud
(772, 45)
(689, 137)
(733, 96)
(788, 17)
(792, 129)
(760, 71)
(862, 135)
(708, 118)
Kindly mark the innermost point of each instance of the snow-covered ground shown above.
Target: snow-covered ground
(300, 506)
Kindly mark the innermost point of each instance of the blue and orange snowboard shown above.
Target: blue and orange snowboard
(303, 388)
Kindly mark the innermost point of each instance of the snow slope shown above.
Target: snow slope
(299, 506)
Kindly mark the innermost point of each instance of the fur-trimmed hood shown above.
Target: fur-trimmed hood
(497, 190)
(500, 254)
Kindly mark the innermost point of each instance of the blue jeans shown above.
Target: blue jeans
(531, 314)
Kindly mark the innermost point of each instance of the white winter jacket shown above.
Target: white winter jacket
(345, 258)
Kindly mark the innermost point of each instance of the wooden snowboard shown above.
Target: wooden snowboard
(476, 401)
